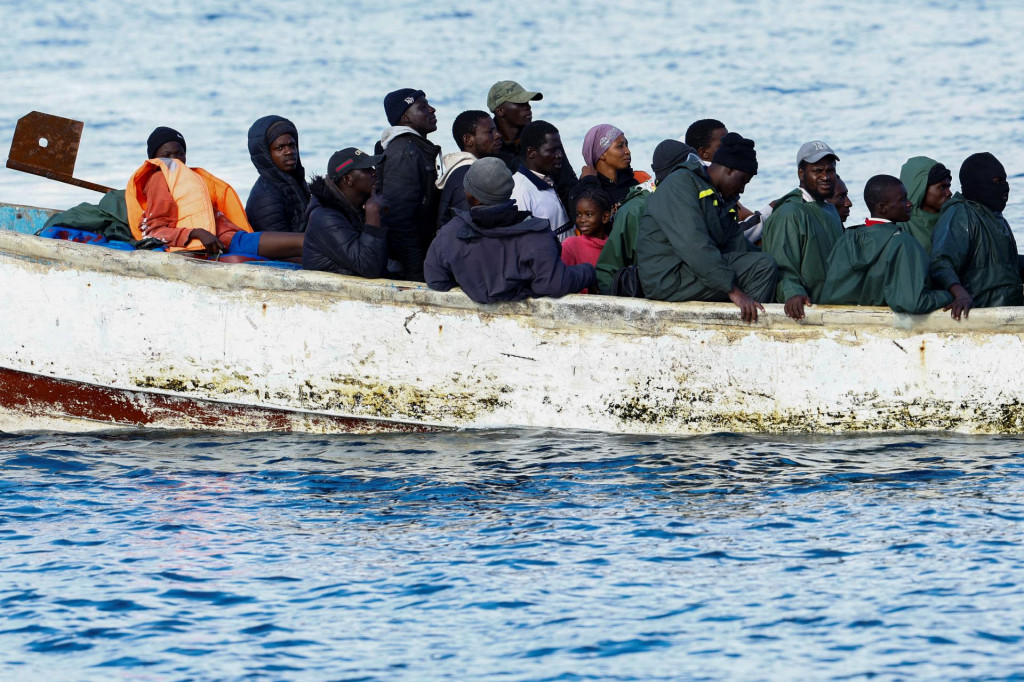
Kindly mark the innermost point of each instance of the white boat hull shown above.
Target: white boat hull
(180, 343)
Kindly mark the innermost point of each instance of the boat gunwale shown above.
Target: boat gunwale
(578, 312)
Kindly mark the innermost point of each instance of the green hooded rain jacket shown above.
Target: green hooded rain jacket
(688, 237)
(881, 265)
(914, 176)
(800, 235)
(973, 246)
(620, 249)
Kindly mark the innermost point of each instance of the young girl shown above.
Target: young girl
(593, 224)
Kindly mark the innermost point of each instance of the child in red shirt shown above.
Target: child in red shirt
(593, 224)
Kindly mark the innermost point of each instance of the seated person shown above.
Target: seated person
(496, 252)
(344, 231)
(690, 247)
(608, 167)
(803, 229)
(703, 137)
(877, 263)
(189, 209)
(476, 137)
(974, 254)
(841, 200)
(928, 183)
(278, 200)
(593, 224)
(620, 250)
(510, 103)
(541, 158)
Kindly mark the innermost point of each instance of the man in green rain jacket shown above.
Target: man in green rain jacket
(974, 254)
(877, 263)
(620, 249)
(927, 182)
(689, 246)
(804, 227)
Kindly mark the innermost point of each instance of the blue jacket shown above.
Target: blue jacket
(498, 253)
(278, 199)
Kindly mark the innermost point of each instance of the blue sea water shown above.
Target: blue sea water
(511, 555)
(515, 555)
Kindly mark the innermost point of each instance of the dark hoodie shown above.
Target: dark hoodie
(881, 265)
(278, 199)
(337, 238)
(498, 253)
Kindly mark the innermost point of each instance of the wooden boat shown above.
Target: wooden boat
(92, 338)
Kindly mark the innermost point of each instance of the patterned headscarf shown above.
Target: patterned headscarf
(597, 141)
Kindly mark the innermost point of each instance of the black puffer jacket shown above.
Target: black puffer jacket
(278, 199)
(337, 239)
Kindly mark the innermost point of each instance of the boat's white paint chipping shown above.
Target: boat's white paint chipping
(320, 344)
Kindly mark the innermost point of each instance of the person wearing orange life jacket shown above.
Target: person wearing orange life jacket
(191, 210)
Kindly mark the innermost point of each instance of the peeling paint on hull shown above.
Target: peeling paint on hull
(319, 352)
(27, 398)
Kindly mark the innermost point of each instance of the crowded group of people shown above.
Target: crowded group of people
(506, 217)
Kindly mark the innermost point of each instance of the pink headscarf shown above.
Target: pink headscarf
(597, 141)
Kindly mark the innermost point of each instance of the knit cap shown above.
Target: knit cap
(161, 136)
(736, 152)
(396, 103)
(667, 155)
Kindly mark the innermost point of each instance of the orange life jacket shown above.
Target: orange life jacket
(199, 196)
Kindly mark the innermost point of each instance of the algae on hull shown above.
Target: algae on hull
(346, 395)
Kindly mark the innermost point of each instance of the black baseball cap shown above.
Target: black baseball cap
(350, 159)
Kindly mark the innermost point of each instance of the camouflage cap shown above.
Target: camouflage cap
(509, 91)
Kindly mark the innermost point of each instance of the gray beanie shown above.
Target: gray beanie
(489, 180)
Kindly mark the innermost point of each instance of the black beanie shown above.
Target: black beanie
(281, 127)
(736, 152)
(161, 136)
(938, 173)
(667, 155)
(395, 103)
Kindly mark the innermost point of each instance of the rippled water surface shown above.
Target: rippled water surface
(880, 81)
(512, 555)
(515, 555)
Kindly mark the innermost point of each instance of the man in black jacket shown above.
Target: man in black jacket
(344, 232)
(496, 252)
(408, 175)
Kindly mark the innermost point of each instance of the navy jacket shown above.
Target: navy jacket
(278, 199)
(337, 239)
(498, 253)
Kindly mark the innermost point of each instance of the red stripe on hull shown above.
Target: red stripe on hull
(36, 396)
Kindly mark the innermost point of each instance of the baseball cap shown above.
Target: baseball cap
(349, 159)
(814, 151)
(509, 91)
